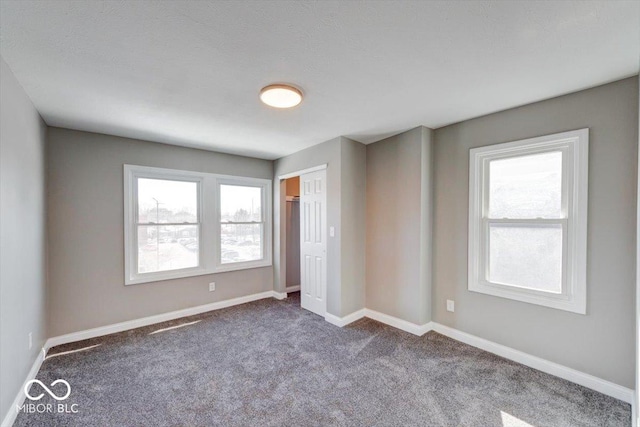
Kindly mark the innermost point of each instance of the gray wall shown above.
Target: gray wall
(342, 297)
(600, 343)
(398, 225)
(636, 407)
(85, 223)
(353, 225)
(426, 226)
(23, 236)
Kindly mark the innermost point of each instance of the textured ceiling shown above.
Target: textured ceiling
(189, 73)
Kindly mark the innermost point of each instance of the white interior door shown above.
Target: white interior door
(313, 241)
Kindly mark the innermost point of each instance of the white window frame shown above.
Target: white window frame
(208, 217)
(574, 146)
(266, 222)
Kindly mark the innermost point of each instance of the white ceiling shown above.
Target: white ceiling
(189, 73)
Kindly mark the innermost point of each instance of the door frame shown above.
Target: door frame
(282, 203)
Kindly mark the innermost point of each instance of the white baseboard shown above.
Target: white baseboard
(412, 328)
(146, 321)
(344, 321)
(279, 295)
(295, 288)
(404, 325)
(11, 416)
(569, 374)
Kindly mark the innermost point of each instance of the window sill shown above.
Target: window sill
(574, 304)
(196, 272)
(225, 268)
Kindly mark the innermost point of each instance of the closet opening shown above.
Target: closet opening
(292, 230)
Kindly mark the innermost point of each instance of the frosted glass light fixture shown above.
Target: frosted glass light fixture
(281, 96)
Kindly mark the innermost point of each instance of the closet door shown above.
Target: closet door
(313, 241)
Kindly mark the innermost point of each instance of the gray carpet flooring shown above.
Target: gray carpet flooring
(270, 363)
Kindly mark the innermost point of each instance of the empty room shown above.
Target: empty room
(319, 213)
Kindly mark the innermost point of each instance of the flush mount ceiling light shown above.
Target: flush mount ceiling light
(281, 96)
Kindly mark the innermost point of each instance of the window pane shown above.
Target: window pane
(163, 201)
(240, 242)
(526, 256)
(526, 187)
(162, 248)
(240, 204)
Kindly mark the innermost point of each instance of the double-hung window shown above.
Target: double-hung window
(182, 223)
(242, 223)
(528, 220)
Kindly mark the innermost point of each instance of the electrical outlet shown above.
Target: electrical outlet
(451, 305)
(212, 286)
(30, 340)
